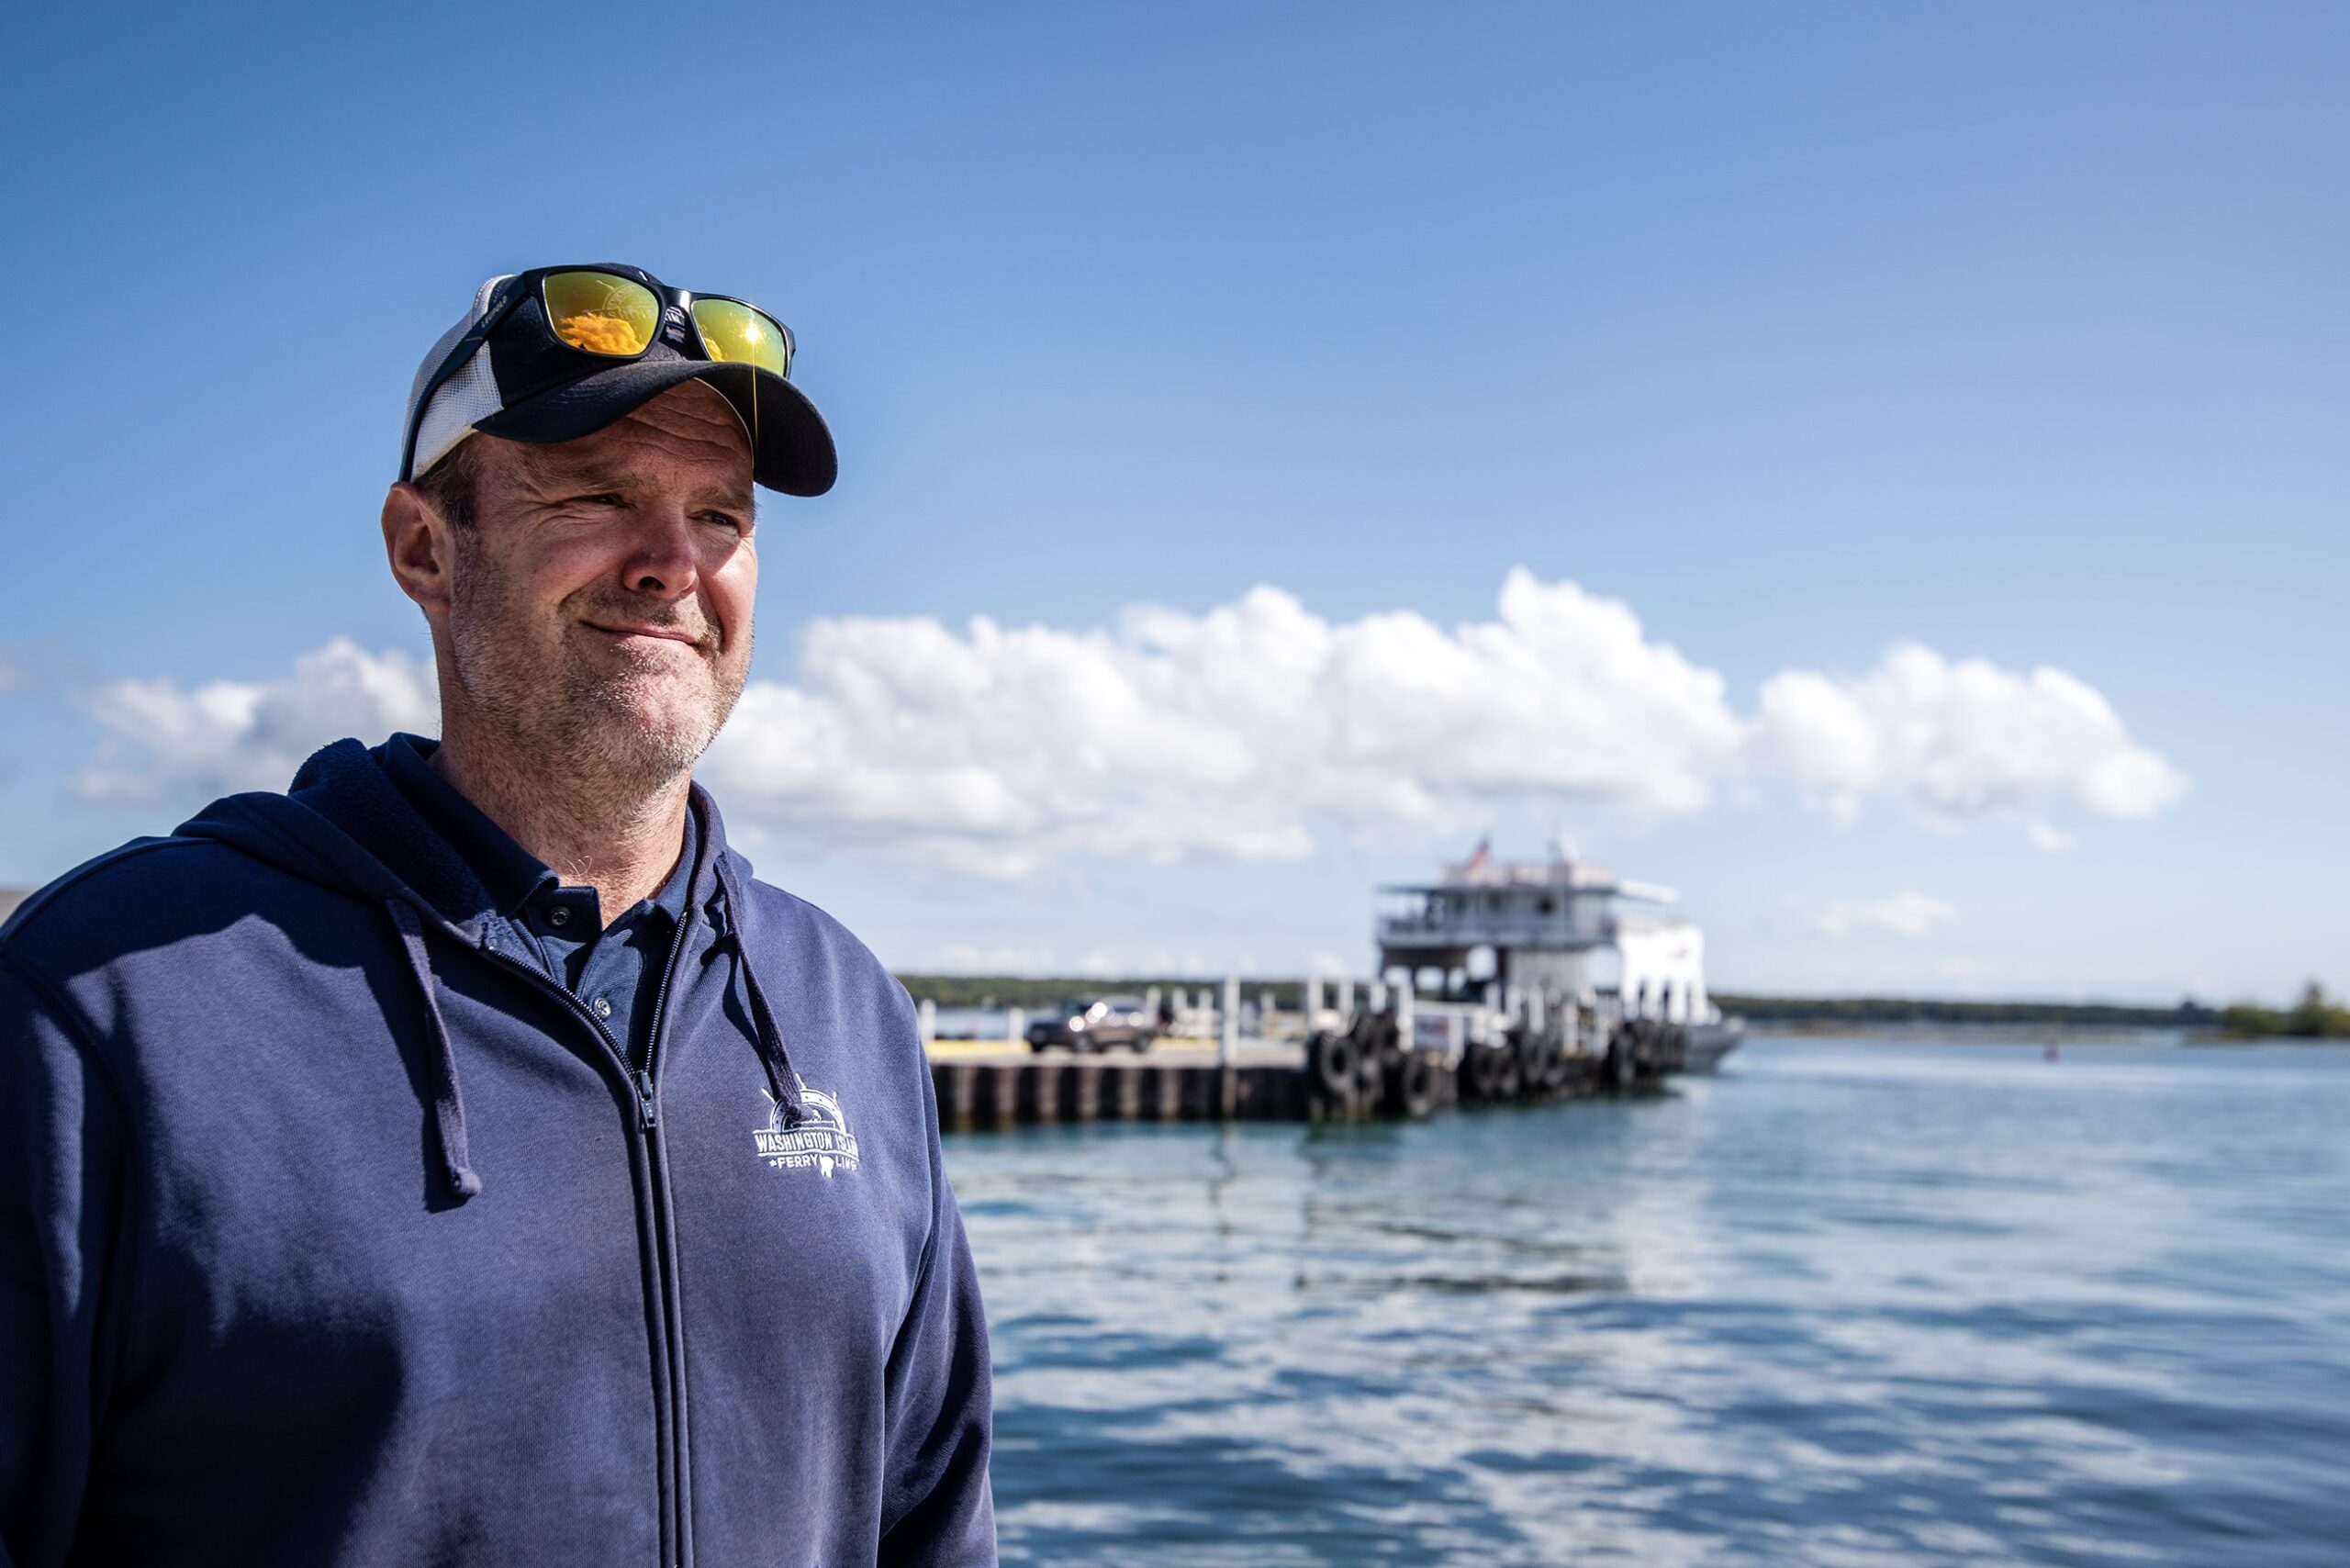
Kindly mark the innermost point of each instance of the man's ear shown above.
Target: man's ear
(417, 545)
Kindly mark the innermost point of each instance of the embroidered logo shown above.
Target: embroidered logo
(822, 1140)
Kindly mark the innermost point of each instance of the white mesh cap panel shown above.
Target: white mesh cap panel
(468, 396)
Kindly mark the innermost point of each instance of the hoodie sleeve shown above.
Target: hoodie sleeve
(939, 1506)
(61, 1185)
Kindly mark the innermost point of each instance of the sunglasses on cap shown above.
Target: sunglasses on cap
(613, 315)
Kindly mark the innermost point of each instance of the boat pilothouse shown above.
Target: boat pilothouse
(1558, 936)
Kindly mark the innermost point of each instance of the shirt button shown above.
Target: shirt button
(603, 1008)
(558, 916)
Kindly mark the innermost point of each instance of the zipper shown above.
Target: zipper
(681, 1550)
(670, 1461)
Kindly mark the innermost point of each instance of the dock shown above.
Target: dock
(993, 1084)
(1500, 983)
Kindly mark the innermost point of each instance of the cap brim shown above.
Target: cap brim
(790, 448)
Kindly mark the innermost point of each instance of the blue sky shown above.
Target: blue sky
(2012, 332)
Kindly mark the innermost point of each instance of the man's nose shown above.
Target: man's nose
(662, 557)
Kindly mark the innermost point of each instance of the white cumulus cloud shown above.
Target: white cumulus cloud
(1906, 914)
(1254, 730)
(1245, 733)
(1959, 743)
(234, 734)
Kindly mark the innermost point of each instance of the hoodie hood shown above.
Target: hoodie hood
(342, 824)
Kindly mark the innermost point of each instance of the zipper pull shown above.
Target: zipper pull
(644, 1110)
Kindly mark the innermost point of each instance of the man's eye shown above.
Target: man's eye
(602, 498)
(723, 520)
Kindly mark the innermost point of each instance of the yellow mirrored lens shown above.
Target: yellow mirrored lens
(601, 312)
(732, 330)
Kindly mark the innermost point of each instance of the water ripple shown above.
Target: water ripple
(1848, 1305)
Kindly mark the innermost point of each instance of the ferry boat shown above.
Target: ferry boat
(1563, 930)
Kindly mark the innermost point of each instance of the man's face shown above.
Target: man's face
(600, 609)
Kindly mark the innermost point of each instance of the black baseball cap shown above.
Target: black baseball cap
(504, 370)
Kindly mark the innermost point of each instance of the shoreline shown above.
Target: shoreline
(1911, 1031)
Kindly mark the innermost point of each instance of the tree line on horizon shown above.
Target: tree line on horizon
(2314, 1017)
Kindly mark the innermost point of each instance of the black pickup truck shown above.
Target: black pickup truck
(1096, 1024)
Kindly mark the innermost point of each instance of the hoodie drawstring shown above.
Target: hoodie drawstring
(781, 1080)
(448, 1105)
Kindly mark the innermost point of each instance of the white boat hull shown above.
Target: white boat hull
(1708, 1042)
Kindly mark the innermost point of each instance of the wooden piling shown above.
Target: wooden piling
(1026, 1090)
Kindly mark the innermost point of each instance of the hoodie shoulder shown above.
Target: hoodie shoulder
(127, 899)
(37, 904)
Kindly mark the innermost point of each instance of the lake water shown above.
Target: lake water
(1851, 1302)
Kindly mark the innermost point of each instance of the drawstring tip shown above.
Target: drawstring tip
(448, 1105)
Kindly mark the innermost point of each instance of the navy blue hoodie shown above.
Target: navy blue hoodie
(332, 1231)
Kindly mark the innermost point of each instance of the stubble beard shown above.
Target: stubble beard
(612, 730)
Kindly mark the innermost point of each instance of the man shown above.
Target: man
(460, 1159)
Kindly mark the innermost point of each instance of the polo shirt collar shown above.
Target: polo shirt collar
(510, 874)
